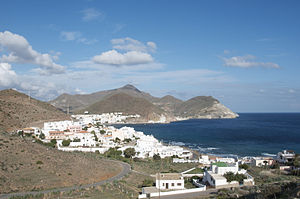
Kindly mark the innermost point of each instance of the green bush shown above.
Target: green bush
(244, 166)
(39, 162)
(66, 142)
(156, 157)
(129, 152)
(42, 136)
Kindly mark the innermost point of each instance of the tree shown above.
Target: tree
(129, 152)
(42, 136)
(53, 141)
(156, 157)
(21, 133)
(102, 132)
(244, 166)
(66, 142)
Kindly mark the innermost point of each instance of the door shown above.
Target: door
(167, 185)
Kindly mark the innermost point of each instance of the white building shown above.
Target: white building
(285, 156)
(165, 181)
(215, 177)
(261, 161)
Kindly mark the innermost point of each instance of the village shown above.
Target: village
(92, 133)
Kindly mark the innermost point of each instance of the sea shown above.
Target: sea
(251, 134)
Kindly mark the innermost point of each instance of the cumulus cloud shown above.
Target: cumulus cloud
(76, 36)
(90, 14)
(113, 57)
(129, 44)
(20, 51)
(247, 61)
(8, 77)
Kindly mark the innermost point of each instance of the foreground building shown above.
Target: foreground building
(165, 181)
(214, 177)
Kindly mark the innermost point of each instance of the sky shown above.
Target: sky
(244, 53)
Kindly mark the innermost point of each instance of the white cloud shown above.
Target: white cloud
(8, 77)
(76, 36)
(247, 61)
(32, 84)
(113, 57)
(129, 44)
(20, 51)
(90, 14)
(70, 36)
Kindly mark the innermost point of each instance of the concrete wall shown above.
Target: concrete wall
(173, 192)
(229, 185)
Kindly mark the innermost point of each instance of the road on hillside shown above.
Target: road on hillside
(125, 170)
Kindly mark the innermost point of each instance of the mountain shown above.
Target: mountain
(130, 100)
(79, 102)
(18, 110)
(203, 107)
(121, 102)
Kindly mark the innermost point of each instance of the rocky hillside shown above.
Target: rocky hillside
(203, 107)
(129, 99)
(79, 102)
(17, 110)
(128, 104)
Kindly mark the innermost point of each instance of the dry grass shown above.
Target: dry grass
(28, 166)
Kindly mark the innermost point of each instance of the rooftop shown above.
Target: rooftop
(220, 164)
(168, 176)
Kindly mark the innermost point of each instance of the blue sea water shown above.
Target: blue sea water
(251, 134)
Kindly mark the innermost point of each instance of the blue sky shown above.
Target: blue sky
(244, 53)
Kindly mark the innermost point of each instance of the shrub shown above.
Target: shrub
(156, 157)
(39, 162)
(66, 142)
(42, 136)
(147, 183)
(244, 166)
(129, 152)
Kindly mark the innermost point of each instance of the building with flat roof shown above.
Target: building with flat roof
(169, 181)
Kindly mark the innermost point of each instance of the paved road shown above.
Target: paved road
(125, 170)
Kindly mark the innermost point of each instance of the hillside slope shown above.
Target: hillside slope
(203, 107)
(17, 110)
(79, 102)
(26, 166)
(127, 104)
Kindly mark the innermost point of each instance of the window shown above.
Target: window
(178, 184)
(173, 184)
(163, 184)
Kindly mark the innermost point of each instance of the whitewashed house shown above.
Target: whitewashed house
(285, 156)
(215, 178)
(165, 181)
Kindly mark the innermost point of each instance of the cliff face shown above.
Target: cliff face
(131, 100)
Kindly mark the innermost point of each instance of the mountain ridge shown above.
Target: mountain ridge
(168, 107)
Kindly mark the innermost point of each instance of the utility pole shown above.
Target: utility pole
(68, 109)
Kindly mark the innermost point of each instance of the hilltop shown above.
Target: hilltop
(18, 110)
(128, 99)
